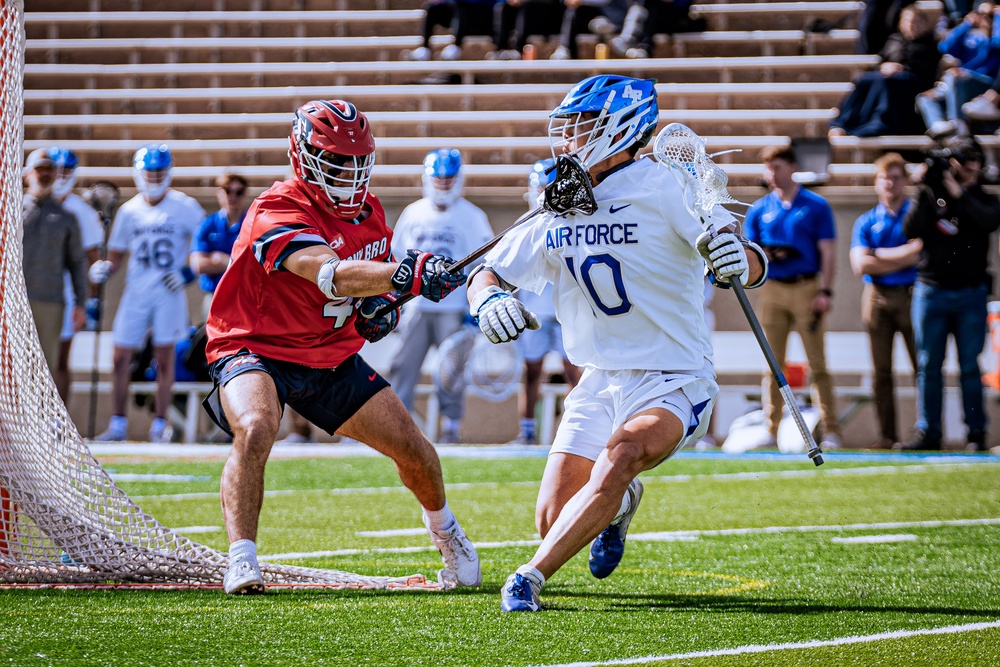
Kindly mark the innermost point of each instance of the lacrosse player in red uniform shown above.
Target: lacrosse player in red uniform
(311, 266)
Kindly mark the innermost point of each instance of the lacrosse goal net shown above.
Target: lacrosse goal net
(63, 520)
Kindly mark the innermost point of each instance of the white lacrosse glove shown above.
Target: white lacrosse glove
(500, 316)
(100, 271)
(725, 255)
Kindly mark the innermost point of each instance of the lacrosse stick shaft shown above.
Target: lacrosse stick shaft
(772, 362)
(462, 263)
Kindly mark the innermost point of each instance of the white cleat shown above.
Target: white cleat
(460, 558)
(243, 578)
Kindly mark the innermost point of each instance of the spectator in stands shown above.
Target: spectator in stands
(882, 100)
(985, 107)
(646, 19)
(91, 237)
(445, 223)
(797, 231)
(578, 18)
(881, 253)
(877, 21)
(537, 343)
(213, 242)
(516, 20)
(51, 245)
(954, 217)
(462, 17)
(155, 228)
(975, 43)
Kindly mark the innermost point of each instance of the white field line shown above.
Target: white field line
(792, 646)
(875, 539)
(666, 536)
(399, 532)
(666, 479)
(151, 477)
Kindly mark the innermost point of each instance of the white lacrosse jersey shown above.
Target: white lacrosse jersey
(455, 232)
(157, 238)
(91, 236)
(628, 281)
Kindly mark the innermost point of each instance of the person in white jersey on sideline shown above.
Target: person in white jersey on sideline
(155, 228)
(65, 163)
(628, 288)
(443, 222)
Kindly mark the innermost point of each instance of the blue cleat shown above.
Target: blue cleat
(519, 594)
(607, 549)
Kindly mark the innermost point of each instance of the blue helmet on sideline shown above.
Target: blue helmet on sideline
(443, 179)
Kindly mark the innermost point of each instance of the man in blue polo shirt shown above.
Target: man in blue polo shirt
(214, 241)
(796, 229)
(882, 254)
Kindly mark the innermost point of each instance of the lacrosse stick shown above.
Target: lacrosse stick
(103, 198)
(677, 146)
(570, 192)
(467, 360)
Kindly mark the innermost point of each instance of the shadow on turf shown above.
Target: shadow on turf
(723, 604)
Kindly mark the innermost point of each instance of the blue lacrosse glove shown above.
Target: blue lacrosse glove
(372, 329)
(93, 310)
(177, 279)
(426, 274)
(500, 316)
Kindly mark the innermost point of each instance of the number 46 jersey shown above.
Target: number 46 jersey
(628, 280)
(157, 238)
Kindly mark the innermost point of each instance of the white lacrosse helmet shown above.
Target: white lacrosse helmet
(65, 163)
(443, 179)
(603, 115)
(152, 170)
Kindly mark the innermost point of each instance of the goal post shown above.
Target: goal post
(63, 520)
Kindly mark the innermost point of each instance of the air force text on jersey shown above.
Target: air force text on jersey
(591, 234)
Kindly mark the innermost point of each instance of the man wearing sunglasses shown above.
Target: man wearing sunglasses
(213, 244)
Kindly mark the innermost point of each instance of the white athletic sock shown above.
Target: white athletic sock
(241, 550)
(532, 575)
(528, 427)
(449, 424)
(440, 521)
(625, 507)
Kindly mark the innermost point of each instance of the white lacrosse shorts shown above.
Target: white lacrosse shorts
(605, 400)
(164, 313)
(536, 343)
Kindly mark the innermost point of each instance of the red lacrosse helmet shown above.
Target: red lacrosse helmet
(332, 148)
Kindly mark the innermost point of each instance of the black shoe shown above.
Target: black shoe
(976, 442)
(920, 442)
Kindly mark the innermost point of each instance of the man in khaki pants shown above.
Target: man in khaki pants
(797, 231)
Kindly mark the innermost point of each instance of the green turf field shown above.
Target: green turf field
(724, 557)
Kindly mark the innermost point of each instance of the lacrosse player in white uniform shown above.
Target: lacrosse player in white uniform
(628, 285)
(445, 223)
(155, 228)
(92, 238)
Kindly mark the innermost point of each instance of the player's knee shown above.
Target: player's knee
(255, 430)
(628, 458)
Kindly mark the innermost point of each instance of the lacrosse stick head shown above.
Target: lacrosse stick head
(570, 191)
(103, 197)
(493, 371)
(453, 356)
(678, 146)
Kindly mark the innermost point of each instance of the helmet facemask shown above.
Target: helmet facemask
(443, 191)
(64, 182)
(152, 183)
(342, 178)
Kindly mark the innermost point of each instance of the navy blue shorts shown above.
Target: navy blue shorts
(327, 397)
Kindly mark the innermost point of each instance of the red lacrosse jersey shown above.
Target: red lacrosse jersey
(261, 306)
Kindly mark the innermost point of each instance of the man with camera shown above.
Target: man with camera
(954, 216)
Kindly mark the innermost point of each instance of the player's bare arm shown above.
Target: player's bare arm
(351, 277)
